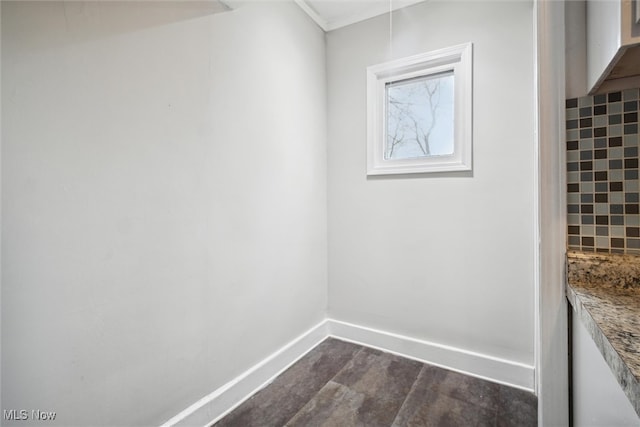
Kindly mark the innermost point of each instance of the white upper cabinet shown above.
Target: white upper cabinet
(613, 45)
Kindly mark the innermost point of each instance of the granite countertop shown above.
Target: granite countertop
(604, 290)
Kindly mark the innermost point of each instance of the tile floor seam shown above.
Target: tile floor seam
(306, 403)
(286, 423)
(362, 348)
(413, 387)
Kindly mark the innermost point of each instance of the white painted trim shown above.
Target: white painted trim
(322, 23)
(536, 201)
(551, 305)
(223, 400)
(475, 364)
(369, 10)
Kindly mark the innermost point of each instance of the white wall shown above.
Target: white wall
(446, 258)
(164, 201)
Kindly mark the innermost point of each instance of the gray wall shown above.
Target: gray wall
(446, 258)
(576, 48)
(164, 201)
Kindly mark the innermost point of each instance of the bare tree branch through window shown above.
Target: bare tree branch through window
(420, 117)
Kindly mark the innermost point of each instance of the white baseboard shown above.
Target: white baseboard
(226, 398)
(479, 365)
(223, 400)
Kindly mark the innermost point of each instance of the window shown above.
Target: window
(419, 113)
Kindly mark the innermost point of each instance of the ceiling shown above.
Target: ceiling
(333, 14)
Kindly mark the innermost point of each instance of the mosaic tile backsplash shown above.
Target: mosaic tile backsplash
(603, 190)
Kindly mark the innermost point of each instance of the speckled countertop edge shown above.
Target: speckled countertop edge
(603, 270)
(582, 299)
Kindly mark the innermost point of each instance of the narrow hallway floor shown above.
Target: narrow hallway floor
(344, 384)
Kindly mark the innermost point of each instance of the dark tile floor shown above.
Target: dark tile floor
(342, 384)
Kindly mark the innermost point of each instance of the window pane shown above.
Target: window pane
(420, 117)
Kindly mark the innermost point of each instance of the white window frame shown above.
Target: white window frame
(459, 60)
